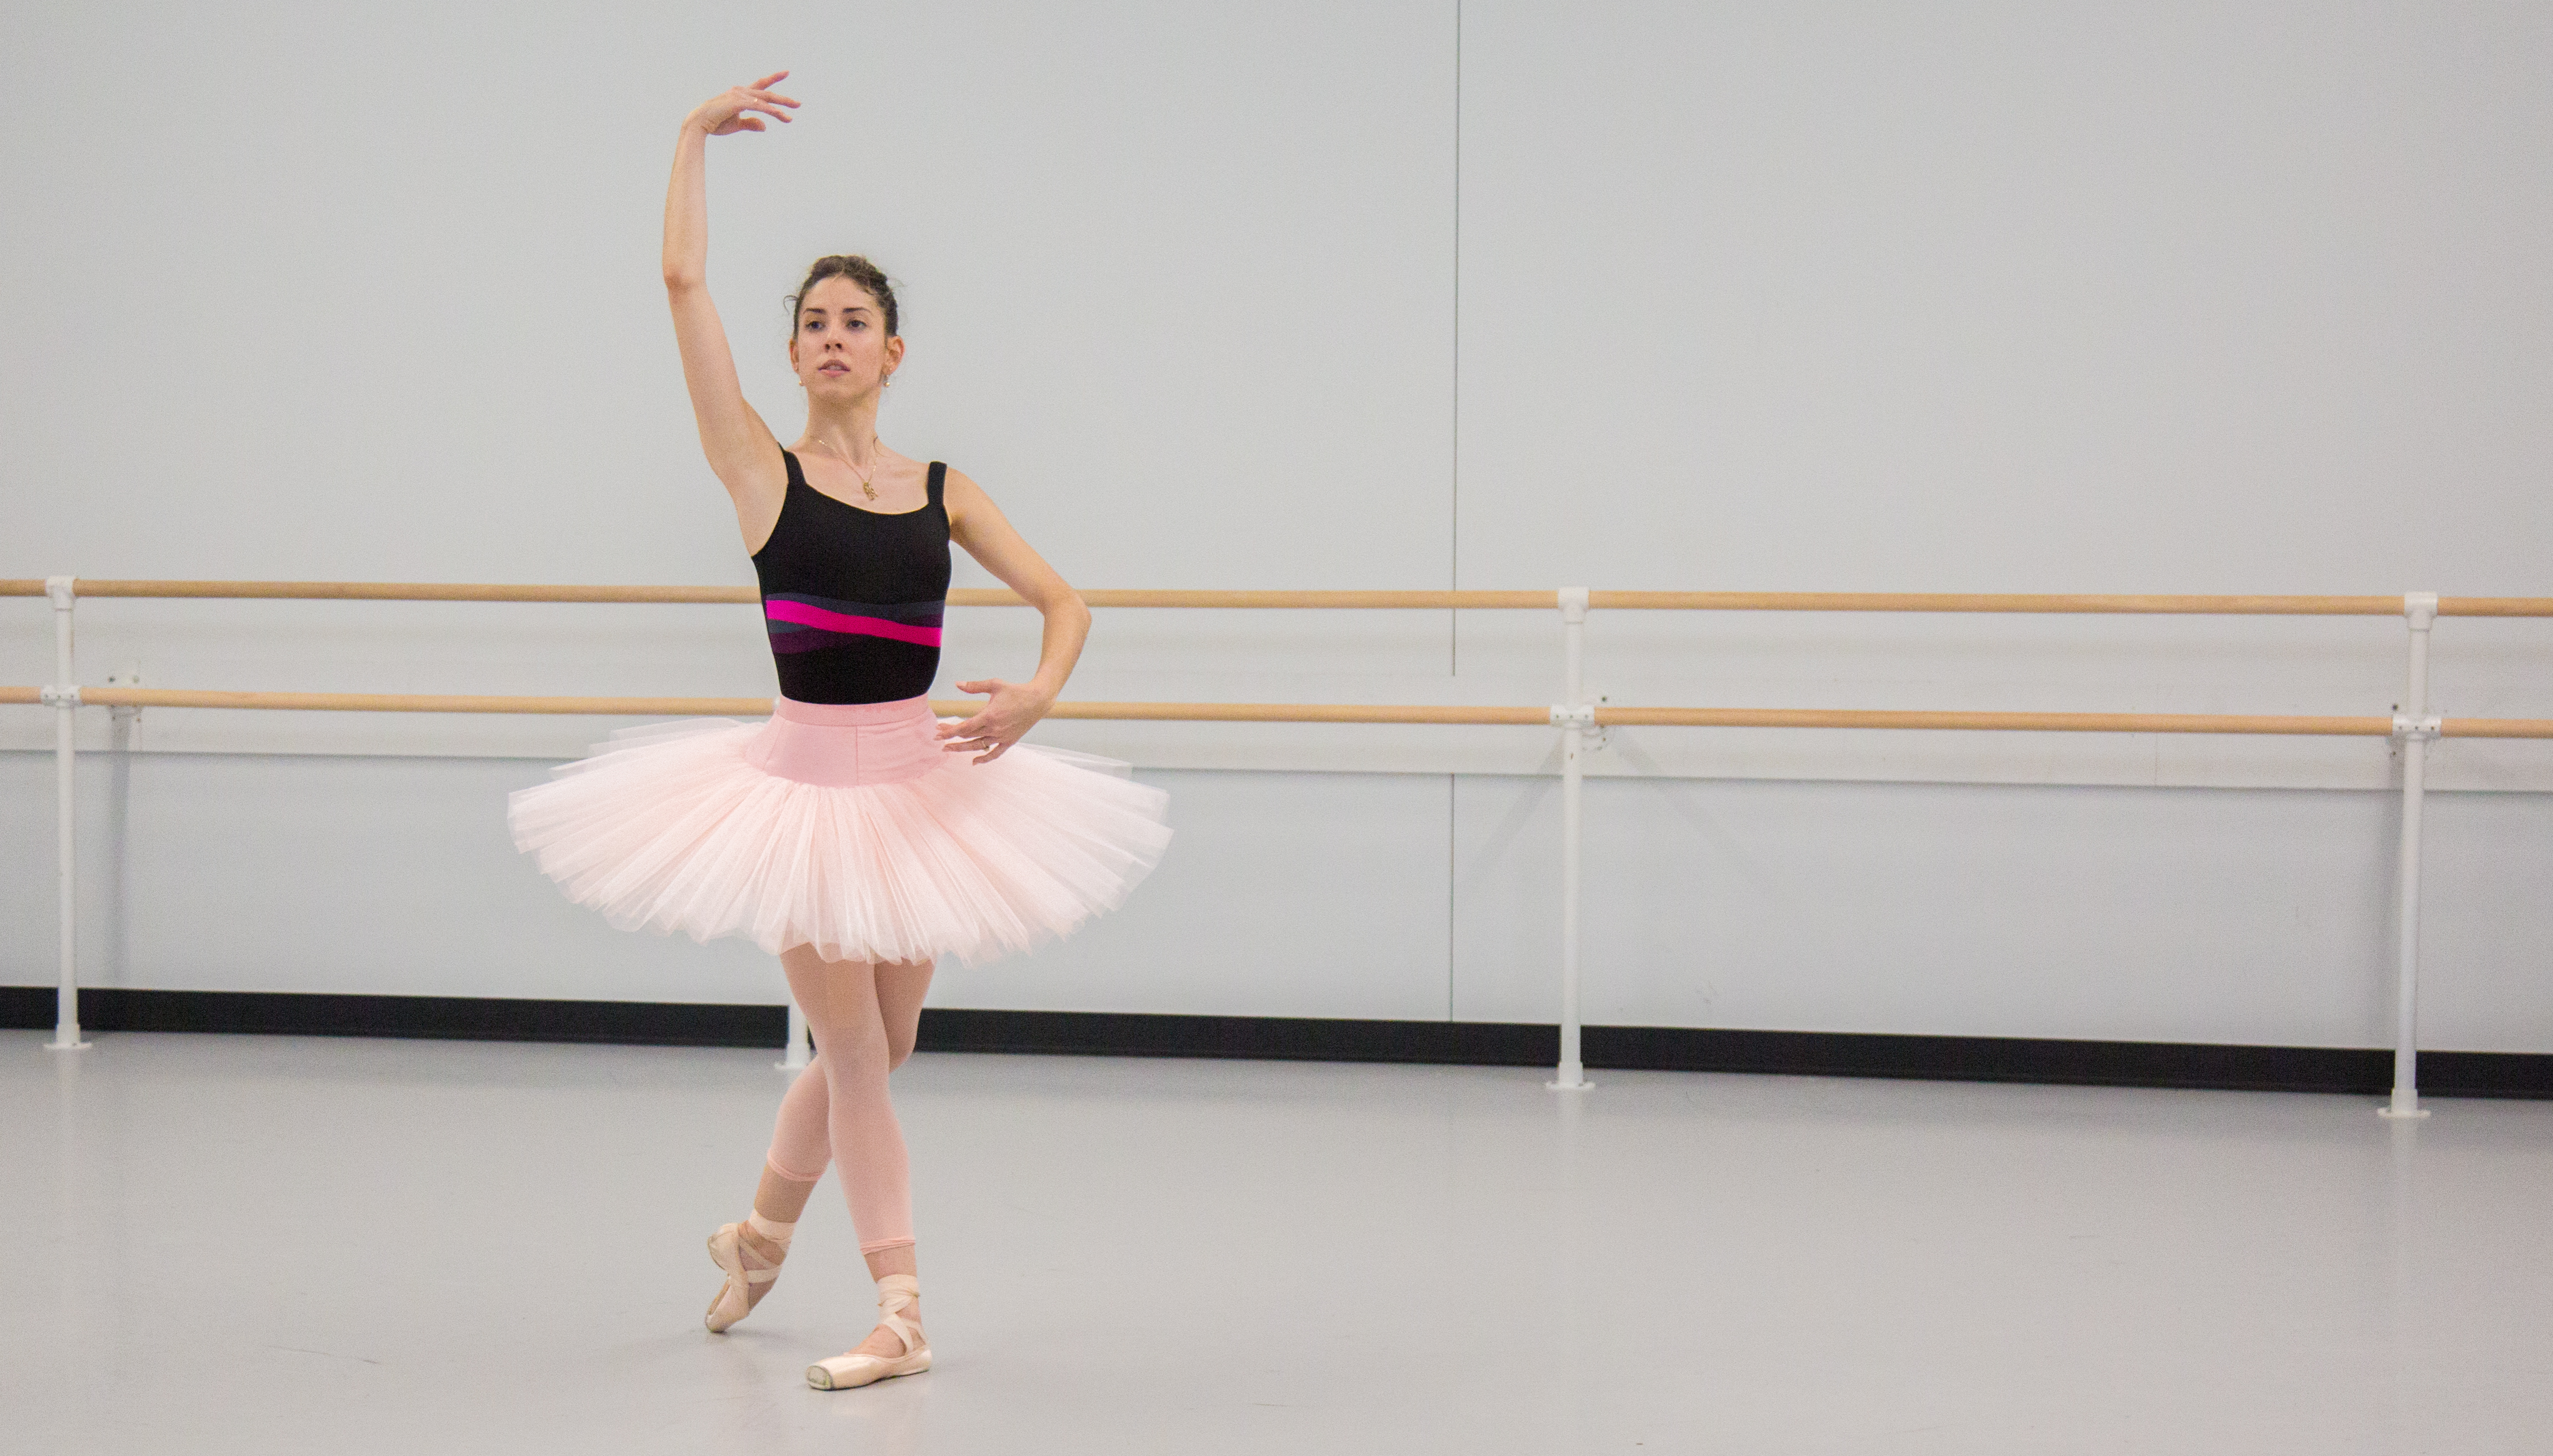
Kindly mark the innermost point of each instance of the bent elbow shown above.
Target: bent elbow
(1056, 604)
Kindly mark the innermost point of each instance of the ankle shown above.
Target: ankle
(771, 1231)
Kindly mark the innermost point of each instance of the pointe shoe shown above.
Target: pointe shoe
(748, 1277)
(897, 1293)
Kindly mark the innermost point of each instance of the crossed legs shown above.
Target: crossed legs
(863, 1017)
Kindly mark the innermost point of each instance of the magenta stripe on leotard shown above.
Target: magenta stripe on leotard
(837, 621)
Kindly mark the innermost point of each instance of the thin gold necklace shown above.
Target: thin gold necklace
(876, 449)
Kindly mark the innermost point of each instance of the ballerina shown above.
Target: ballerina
(853, 835)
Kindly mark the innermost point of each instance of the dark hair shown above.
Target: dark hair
(859, 271)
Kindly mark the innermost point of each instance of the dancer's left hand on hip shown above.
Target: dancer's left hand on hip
(991, 732)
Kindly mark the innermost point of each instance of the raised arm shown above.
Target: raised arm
(741, 448)
(976, 524)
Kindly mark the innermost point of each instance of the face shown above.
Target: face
(841, 349)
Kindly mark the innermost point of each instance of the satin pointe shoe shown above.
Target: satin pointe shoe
(897, 1293)
(748, 1277)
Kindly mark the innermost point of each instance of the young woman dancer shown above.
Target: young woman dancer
(853, 835)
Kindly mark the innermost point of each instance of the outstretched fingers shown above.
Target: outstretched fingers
(761, 89)
(729, 112)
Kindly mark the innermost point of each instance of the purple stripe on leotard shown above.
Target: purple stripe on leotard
(799, 639)
(800, 614)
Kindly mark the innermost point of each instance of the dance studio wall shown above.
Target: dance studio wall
(2130, 297)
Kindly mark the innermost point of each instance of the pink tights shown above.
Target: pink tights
(863, 1017)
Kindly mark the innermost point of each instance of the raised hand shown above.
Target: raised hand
(731, 110)
(999, 724)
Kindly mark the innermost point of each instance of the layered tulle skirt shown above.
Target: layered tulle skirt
(845, 827)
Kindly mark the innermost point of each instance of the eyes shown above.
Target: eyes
(854, 325)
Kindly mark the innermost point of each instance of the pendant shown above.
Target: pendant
(868, 491)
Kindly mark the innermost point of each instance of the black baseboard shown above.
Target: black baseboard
(2355, 1069)
(442, 1018)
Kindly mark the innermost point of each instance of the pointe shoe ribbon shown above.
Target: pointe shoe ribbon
(750, 1273)
(897, 1293)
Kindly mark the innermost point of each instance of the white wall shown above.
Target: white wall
(2135, 298)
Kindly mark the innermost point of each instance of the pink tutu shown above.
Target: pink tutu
(845, 827)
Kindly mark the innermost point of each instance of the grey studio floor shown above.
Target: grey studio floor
(251, 1244)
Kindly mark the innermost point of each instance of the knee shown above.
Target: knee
(899, 1050)
(857, 1050)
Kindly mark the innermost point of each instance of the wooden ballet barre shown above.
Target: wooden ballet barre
(2055, 604)
(2047, 603)
(2495, 606)
(2037, 722)
(2292, 725)
(1283, 712)
(1368, 601)
(425, 703)
(393, 591)
(761, 707)
(1993, 602)
(2494, 727)
(960, 597)
(2287, 726)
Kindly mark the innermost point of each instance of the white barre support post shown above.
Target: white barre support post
(63, 698)
(2414, 728)
(1576, 720)
(795, 1058)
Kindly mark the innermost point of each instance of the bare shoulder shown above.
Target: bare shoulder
(961, 497)
(977, 524)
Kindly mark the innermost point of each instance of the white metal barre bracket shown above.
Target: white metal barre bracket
(2414, 728)
(124, 724)
(63, 697)
(1591, 737)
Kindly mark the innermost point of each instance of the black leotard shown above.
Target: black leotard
(853, 598)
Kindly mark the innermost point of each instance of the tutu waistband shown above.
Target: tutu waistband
(849, 715)
(847, 744)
